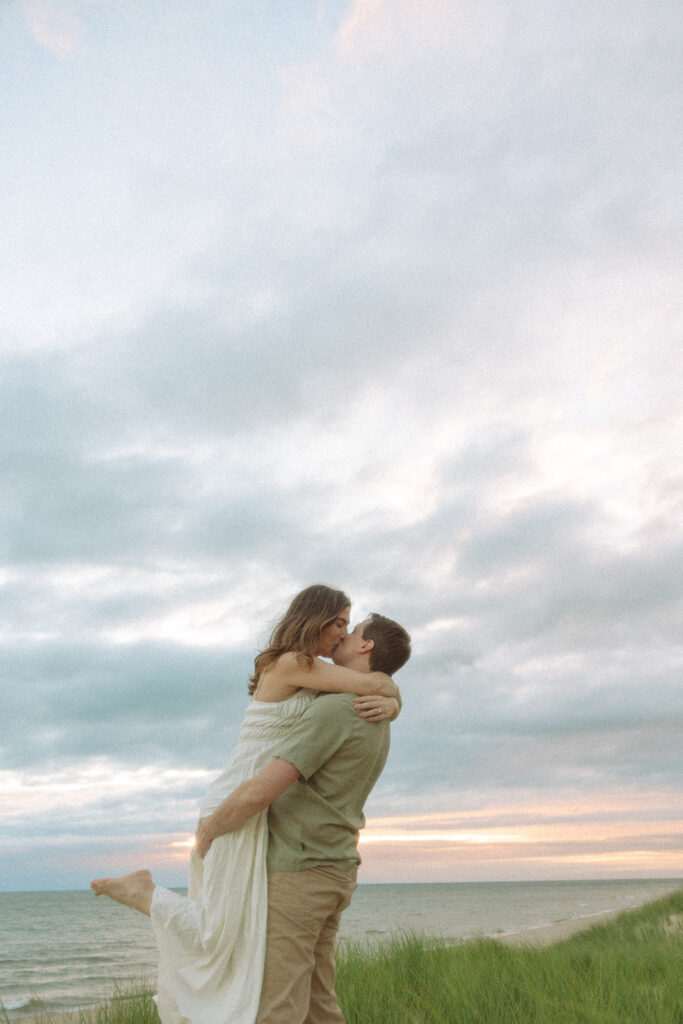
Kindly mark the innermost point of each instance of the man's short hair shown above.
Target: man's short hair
(391, 648)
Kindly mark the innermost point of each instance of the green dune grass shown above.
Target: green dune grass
(625, 971)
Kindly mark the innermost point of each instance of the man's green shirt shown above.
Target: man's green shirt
(339, 757)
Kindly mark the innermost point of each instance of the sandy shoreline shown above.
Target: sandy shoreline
(548, 934)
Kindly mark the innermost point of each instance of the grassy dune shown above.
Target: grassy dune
(625, 971)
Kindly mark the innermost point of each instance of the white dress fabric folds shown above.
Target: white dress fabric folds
(212, 941)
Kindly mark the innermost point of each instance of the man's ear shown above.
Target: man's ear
(368, 644)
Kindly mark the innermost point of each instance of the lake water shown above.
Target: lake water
(63, 950)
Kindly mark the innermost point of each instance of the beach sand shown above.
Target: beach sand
(551, 933)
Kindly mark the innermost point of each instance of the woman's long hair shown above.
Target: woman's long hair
(300, 627)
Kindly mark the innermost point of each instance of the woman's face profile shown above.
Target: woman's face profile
(333, 634)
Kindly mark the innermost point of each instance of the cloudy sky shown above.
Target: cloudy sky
(378, 293)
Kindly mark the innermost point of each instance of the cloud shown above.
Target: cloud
(58, 28)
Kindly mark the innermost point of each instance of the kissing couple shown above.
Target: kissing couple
(276, 850)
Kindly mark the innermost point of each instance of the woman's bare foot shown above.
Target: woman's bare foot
(134, 890)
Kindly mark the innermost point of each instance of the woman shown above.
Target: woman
(212, 942)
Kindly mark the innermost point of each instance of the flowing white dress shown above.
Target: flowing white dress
(212, 941)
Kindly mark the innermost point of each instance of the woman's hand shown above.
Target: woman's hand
(375, 708)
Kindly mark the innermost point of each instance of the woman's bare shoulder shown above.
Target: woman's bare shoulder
(290, 661)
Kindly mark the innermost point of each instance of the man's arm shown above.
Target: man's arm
(244, 802)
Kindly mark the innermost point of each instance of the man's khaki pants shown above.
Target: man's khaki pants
(304, 908)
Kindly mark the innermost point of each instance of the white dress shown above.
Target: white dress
(212, 941)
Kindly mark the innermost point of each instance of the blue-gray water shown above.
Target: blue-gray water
(62, 950)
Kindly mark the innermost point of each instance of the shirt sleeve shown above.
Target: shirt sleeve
(319, 733)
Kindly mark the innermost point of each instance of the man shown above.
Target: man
(315, 786)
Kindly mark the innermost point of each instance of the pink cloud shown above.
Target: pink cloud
(396, 32)
(56, 28)
(610, 836)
